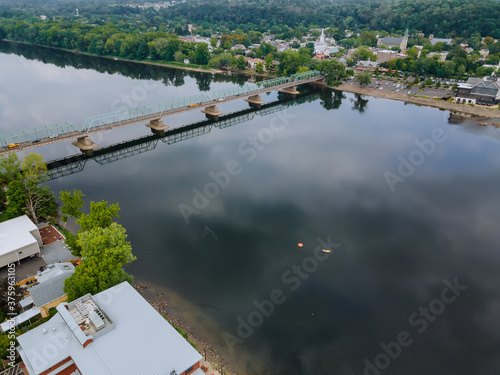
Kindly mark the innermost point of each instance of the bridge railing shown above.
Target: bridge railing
(93, 122)
(131, 115)
(36, 134)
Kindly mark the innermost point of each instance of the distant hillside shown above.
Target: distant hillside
(445, 17)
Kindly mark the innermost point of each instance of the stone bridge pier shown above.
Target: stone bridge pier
(290, 91)
(212, 112)
(255, 101)
(157, 127)
(85, 144)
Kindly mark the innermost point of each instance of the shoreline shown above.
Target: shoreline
(480, 111)
(165, 65)
(168, 304)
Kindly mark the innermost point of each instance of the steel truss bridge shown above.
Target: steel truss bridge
(74, 164)
(44, 135)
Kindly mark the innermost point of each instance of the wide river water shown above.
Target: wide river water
(405, 197)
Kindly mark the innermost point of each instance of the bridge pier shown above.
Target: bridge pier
(320, 84)
(290, 91)
(212, 112)
(86, 145)
(255, 101)
(157, 127)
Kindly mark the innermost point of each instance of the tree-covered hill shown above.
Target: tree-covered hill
(460, 18)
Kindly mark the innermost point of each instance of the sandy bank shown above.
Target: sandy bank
(201, 331)
(480, 111)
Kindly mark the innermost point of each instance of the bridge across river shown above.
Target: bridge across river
(45, 135)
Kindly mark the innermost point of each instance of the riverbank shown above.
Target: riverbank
(480, 111)
(184, 315)
(188, 68)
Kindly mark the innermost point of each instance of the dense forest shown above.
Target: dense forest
(454, 18)
(443, 18)
(151, 35)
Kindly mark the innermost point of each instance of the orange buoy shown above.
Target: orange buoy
(300, 244)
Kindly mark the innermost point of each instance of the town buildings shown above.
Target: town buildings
(19, 239)
(115, 332)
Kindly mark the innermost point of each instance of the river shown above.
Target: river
(405, 197)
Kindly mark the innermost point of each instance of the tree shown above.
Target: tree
(334, 71)
(72, 204)
(259, 68)
(241, 63)
(9, 167)
(104, 252)
(33, 167)
(143, 51)
(16, 196)
(3, 199)
(101, 216)
(15, 293)
(364, 78)
(201, 54)
(269, 62)
(40, 201)
(363, 54)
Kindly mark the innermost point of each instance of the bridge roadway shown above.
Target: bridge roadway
(102, 123)
(76, 163)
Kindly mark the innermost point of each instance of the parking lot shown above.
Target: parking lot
(397, 86)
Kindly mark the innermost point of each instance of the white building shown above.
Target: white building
(320, 46)
(115, 332)
(19, 239)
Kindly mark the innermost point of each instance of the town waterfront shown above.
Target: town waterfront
(405, 197)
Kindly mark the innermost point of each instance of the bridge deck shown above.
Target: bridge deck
(69, 135)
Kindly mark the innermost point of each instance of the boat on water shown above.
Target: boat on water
(328, 251)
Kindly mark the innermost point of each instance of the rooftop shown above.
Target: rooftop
(15, 234)
(49, 290)
(103, 333)
(54, 270)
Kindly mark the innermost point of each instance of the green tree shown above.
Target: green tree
(25, 194)
(241, 63)
(17, 199)
(334, 71)
(269, 62)
(72, 204)
(364, 78)
(101, 215)
(9, 167)
(259, 68)
(202, 54)
(104, 252)
(16, 294)
(143, 51)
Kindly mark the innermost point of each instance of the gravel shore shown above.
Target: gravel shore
(178, 313)
(480, 111)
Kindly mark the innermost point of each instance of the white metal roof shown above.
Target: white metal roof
(21, 318)
(15, 234)
(26, 302)
(139, 332)
(56, 270)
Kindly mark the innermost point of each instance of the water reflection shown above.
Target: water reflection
(322, 175)
(62, 59)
